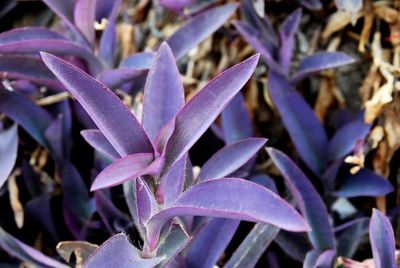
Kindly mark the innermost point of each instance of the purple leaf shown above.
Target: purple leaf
(32, 40)
(287, 31)
(163, 93)
(230, 158)
(27, 68)
(364, 183)
(318, 62)
(351, 6)
(127, 168)
(163, 136)
(118, 252)
(345, 139)
(8, 151)
(199, 113)
(306, 132)
(350, 236)
(240, 200)
(108, 40)
(84, 18)
(54, 135)
(146, 204)
(16, 248)
(110, 114)
(174, 5)
(318, 258)
(252, 36)
(210, 242)
(311, 4)
(253, 246)
(99, 142)
(116, 77)
(382, 240)
(235, 120)
(198, 29)
(171, 183)
(33, 119)
(175, 242)
(141, 60)
(129, 188)
(308, 200)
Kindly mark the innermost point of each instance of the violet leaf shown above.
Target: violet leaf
(84, 18)
(127, 168)
(114, 78)
(99, 142)
(319, 259)
(241, 200)
(112, 117)
(364, 183)
(350, 235)
(146, 204)
(287, 31)
(117, 251)
(382, 241)
(305, 130)
(54, 135)
(311, 4)
(320, 61)
(199, 113)
(174, 5)
(164, 95)
(235, 120)
(198, 29)
(230, 158)
(308, 200)
(345, 139)
(8, 152)
(141, 60)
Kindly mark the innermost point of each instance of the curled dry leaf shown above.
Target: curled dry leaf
(81, 249)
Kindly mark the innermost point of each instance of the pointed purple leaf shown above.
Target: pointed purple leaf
(127, 168)
(287, 31)
(198, 29)
(306, 132)
(230, 158)
(174, 5)
(32, 118)
(229, 198)
(199, 113)
(163, 93)
(112, 117)
(318, 62)
(146, 204)
(364, 183)
(345, 139)
(99, 142)
(382, 240)
(114, 78)
(308, 200)
(235, 120)
(319, 259)
(117, 251)
(252, 36)
(8, 152)
(141, 60)
(84, 18)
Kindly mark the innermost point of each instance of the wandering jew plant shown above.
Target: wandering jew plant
(140, 195)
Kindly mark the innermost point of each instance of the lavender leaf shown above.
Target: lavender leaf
(8, 151)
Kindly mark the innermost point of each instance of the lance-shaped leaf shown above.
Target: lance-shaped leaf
(33, 119)
(114, 78)
(306, 132)
(199, 113)
(129, 188)
(16, 248)
(235, 120)
(230, 158)
(163, 93)
(118, 252)
(112, 117)
(84, 18)
(27, 68)
(210, 242)
(320, 61)
(253, 246)
(345, 139)
(99, 142)
(127, 168)
(54, 135)
(318, 258)
(364, 183)
(241, 200)
(32, 40)
(146, 204)
(382, 241)
(174, 5)
(252, 36)
(308, 200)
(287, 31)
(108, 40)
(141, 60)
(8, 152)
(198, 29)
(351, 6)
